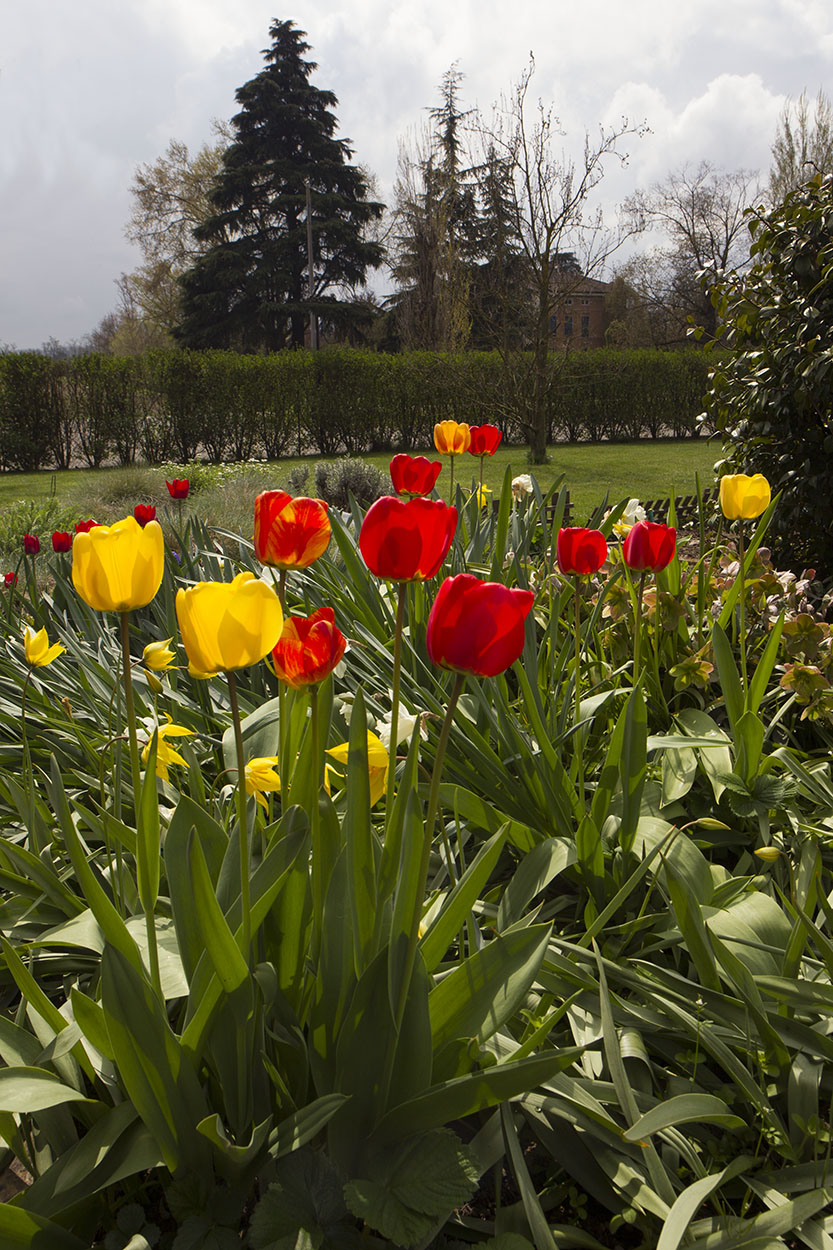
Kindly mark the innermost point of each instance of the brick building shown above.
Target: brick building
(577, 321)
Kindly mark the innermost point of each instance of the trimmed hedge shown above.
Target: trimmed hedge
(224, 406)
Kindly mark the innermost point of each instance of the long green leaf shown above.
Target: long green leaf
(457, 906)
(484, 991)
(683, 1108)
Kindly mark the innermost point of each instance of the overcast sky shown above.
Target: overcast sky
(90, 89)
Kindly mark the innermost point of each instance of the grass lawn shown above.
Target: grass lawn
(643, 470)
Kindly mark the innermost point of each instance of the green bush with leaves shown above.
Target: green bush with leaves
(770, 387)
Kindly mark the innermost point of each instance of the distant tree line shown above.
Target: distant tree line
(171, 404)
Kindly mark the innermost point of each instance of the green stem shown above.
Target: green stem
(315, 824)
(283, 729)
(742, 576)
(129, 708)
(637, 641)
(451, 491)
(577, 694)
(243, 827)
(480, 500)
(130, 716)
(394, 713)
(427, 842)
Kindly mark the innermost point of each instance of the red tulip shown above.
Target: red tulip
(308, 649)
(485, 440)
(649, 546)
(31, 544)
(178, 488)
(61, 541)
(477, 627)
(581, 550)
(290, 533)
(10, 579)
(414, 475)
(407, 541)
(144, 512)
(84, 527)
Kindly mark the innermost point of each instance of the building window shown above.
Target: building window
(569, 301)
(585, 301)
(568, 327)
(553, 324)
(585, 327)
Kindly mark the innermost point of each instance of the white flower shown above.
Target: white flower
(633, 512)
(405, 727)
(521, 486)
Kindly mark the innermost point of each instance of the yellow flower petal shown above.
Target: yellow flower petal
(228, 625)
(118, 567)
(37, 648)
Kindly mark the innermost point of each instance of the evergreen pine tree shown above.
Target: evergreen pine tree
(249, 288)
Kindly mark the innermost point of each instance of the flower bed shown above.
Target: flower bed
(434, 875)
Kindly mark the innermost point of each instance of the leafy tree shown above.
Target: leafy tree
(249, 287)
(171, 198)
(771, 383)
(803, 145)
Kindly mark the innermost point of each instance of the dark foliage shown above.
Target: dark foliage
(249, 289)
(770, 392)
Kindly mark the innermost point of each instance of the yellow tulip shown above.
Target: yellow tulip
(377, 763)
(452, 438)
(158, 655)
(743, 497)
(118, 567)
(261, 778)
(228, 625)
(165, 753)
(38, 651)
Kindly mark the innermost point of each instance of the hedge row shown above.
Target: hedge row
(178, 404)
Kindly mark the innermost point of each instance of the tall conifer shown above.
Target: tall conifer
(249, 289)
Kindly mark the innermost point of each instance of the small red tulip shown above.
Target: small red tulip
(414, 475)
(84, 527)
(477, 627)
(290, 533)
(61, 541)
(580, 550)
(10, 578)
(144, 512)
(649, 546)
(407, 541)
(31, 544)
(178, 488)
(308, 649)
(485, 440)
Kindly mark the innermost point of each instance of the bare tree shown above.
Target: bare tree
(701, 211)
(559, 236)
(803, 145)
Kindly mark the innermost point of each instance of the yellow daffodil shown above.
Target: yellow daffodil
(38, 651)
(228, 625)
(118, 567)
(261, 778)
(377, 763)
(743, 497)
(483, 493)
(165, 753)
(158, 655)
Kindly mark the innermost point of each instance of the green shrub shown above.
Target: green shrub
(770, 393)
(335, 483)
